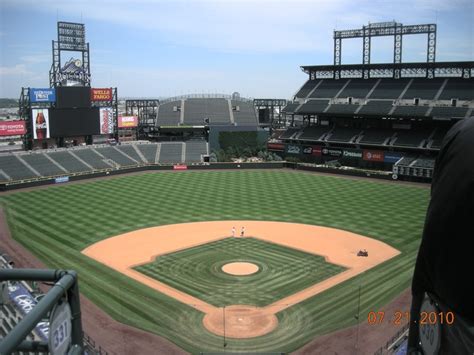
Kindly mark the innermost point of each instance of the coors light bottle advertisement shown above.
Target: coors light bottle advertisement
(40, 123)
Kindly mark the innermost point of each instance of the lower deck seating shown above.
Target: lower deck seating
(195, 150)
(148, 151)
(42, 165)
(171, 153)
(14, 169)
(68, 162)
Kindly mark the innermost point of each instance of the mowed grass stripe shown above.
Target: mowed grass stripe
(284, 271)
(59, 222)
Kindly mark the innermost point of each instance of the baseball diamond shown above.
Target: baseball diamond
(56, 226)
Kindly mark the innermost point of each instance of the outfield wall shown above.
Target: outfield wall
(212, 166)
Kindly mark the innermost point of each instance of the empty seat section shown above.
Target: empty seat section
(378, 108)
(290, 107)
(358, 88)
(389, 89)
(375, 136)
(171, 153)
(197, 110)
(449, 112)
(112, 154)
(462, 89)
(148, 151)
(314, 133)
(411, 138)
(342, 109)
(410, 111)
(131, 152)
(69, 162)
(289, 132)
(167, 116)
(14, 168)
(92, 158)
(195, 150)
(42, 164)
(437, 138)
(426, 163)
(314, 106)
(246, 115)
(328, 88)
(306, 88)
(343, 134)
(423, 88)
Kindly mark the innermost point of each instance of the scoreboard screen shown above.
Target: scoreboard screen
(70, 122)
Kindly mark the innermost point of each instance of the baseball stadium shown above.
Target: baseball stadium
(212, 223)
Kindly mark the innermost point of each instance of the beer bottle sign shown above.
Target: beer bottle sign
(41, 125)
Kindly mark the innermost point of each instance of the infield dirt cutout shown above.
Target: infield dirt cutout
(125, 251)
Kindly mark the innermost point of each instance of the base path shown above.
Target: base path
(123, 252)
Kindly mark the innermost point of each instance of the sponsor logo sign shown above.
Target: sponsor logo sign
(106, 115)
(391, 157)
(293, 149)
(276, 146)
(373, 155)
(316, 150)
(332, 152)
(12, 128)
(40, 119)
(180, 167)
(25, 303)
(307, 150)
(42, 95)
(101, 94)
(127, 121)
(61, 179)
(356, 154)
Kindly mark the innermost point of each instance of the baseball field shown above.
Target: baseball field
(174, 280)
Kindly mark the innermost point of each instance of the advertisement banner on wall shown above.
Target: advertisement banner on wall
(373, 155)
(354, 154)
(391, 157)
(101, 94)
(332, 152)
(276, 146)
(293, 149)
(106, 115)
(40, 118)
(42, 95)
(12, 128)
(127, 121)
(316, 150)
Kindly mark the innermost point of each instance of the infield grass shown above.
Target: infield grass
(58, 222)
(197, 271)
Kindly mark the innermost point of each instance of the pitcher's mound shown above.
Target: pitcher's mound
(240, 321)
(240, 268)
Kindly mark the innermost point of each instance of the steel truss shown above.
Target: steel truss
(274, 106)
(463, 70)
(147, 112)
(71, 37)
(395, 29)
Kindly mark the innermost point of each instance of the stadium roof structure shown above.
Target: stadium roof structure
(392, 70)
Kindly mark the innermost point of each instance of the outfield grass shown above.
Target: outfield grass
(197, 271)
(58, 222)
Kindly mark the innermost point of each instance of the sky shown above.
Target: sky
(167, 48)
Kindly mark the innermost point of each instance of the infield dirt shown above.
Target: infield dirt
(123, 252)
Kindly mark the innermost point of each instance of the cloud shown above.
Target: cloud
(36, 58)
(18, 69)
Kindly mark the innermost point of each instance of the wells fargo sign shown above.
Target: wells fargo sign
(101, 94)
